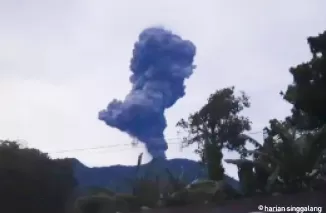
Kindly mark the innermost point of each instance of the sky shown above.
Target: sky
(62, 61)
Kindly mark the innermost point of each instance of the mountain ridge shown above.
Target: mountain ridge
(118, 177)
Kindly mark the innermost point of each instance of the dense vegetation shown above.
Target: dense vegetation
(290, 159)
(32, 182)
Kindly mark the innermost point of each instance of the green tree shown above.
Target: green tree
(32, 182)
(217, 125)
(292, 160)
(307, 93)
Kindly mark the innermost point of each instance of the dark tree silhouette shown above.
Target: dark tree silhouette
(307, 92)
(217, 125)
(32, 182)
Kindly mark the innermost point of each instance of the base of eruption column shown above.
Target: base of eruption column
(158, 165)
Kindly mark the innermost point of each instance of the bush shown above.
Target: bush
(32, 182)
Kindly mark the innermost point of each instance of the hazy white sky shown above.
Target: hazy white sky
(62, 61)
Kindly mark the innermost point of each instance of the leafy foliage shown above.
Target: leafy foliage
(307, 92)
(287, 158)
(32, 182)
(202, 191)
(218, 122)
(215, 126)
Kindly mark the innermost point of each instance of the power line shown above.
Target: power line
(101, 147)
(105, 147)
(125, 144)
(255, 133)
(128, 148)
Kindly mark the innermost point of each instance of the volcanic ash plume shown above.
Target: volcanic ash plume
(160, 64)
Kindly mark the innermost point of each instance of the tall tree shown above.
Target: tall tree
(217, 125)
(307, 93)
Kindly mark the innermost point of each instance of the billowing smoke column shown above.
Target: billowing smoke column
(160, 64)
